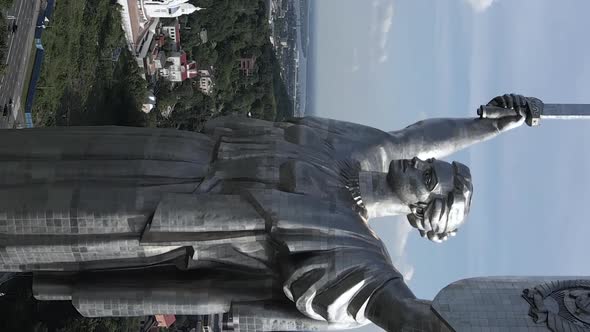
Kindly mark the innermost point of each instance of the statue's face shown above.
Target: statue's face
(417, 180)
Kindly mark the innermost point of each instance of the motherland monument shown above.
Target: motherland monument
(261, 226)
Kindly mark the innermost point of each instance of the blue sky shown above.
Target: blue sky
(389, 63)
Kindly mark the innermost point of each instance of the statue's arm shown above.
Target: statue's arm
(394, 307)
(437, 138)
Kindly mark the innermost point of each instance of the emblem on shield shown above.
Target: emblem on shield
(562, 305)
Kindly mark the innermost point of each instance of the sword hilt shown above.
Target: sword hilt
(533, 111)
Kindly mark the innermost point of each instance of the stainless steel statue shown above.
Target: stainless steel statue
(265, 222)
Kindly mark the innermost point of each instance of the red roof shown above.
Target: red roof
(191, 69)
(165, 320)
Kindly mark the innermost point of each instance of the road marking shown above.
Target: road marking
(16, 108)
(20, 7)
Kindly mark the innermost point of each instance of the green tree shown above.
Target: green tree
(236, 29)
(101, 325)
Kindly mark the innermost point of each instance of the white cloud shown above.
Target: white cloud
(480, 5)
(382, 18)
(386, 22)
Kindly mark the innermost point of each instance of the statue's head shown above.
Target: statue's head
(437, 192)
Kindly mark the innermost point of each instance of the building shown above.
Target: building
(205, 81)
(172, 32)
(138, 15)
(178, 68)
(247, 65)
(142, 45)
(147, 47)
(134, 23)
(154, 323)
(167, 8)
(165, 320)
(156, 59)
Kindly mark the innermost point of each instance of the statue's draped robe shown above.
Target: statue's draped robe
(248, 211)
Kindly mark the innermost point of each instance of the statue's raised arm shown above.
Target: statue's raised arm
(431, 138)
(440, 137)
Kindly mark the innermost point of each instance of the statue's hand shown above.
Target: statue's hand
(515, 107)
(431, 221)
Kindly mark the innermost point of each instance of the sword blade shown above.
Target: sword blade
(566, 111)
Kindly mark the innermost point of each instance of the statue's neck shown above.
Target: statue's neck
(378, 198)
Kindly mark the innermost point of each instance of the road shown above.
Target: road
(19, 52)
(300, 94)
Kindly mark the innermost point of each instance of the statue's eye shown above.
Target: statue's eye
(428, 178)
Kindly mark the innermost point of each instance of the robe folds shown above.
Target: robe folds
(136, 221)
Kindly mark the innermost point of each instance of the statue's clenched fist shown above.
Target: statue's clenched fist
(510, 111)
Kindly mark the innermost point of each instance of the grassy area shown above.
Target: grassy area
(28, 71)
(80, 84)
(6, 3)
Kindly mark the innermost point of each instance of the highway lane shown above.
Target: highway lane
(19, 51)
